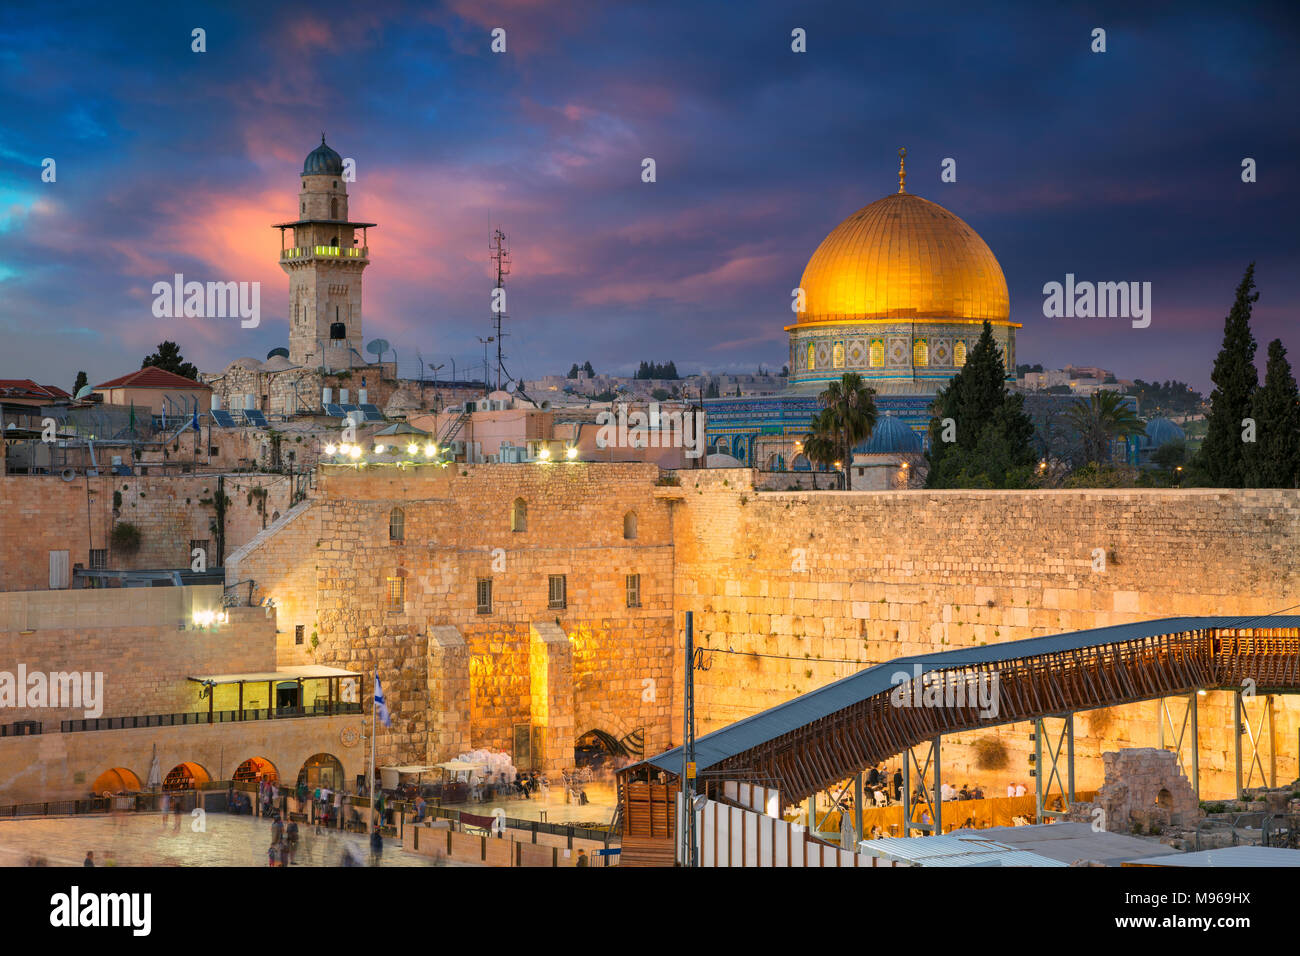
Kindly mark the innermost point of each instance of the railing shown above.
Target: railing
(330, 252)
(318, 709)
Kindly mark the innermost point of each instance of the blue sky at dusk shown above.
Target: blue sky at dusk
(1117, 166)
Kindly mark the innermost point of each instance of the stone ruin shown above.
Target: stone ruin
(1145, 792)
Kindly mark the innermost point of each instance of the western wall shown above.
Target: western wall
(812, 578)
(820, 583)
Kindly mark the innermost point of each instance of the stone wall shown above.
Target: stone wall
(826, 583)
(40, 514)
(330, 564)
(143, 641)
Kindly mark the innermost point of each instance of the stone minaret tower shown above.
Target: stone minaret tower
(324, 267)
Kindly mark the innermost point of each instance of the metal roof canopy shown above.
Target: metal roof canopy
(756, 740)
(305, 672)
(1234, 856)
(950, 850)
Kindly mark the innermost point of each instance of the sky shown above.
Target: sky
(1117, 166)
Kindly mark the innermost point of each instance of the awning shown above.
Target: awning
(305, 672)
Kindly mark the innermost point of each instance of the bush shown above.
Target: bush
(990, 754)
(125, 538)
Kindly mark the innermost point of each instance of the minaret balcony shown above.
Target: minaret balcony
(325, 252)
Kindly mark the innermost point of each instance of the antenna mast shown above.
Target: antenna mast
(501, 258)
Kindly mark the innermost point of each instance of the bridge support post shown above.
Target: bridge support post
(1179, 734)
(932, 798)
(1045, 775)
(857, 806)
(1236, 735)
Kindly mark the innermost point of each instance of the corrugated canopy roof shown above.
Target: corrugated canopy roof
(763, 727)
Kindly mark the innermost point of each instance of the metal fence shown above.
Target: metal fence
(318, 709)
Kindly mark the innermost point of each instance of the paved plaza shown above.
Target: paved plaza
(551, 807)
(142, 840)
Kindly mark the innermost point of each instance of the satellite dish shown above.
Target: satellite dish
(377, 347)
(277, 351)
(84, 391)
(510, 386)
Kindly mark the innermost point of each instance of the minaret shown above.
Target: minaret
(324, 266)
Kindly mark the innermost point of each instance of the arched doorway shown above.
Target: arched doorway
(321, 770)
(595, 749)
(185, 776)
(115, 780)
(256, 769)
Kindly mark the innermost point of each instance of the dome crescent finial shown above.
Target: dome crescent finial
(902, 171)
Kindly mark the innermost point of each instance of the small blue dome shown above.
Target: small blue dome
(322, 161)
(890, 437)
(1161, 431)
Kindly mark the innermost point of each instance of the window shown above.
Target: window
(519, 515)
(634, 590)
(837, 355)
(396, 595)
(58, 570)
(920, 353)
(558, 592)
(877, 353)
(334, 210)
(396, 525)
(959, 354)
(338, 331)
(298, 630)
(98, 558)
(484, 595)
(629, 525)
(812, 357)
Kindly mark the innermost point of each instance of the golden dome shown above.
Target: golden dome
(903, 257)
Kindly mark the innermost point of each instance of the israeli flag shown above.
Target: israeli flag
(381, 705)
(194, 422)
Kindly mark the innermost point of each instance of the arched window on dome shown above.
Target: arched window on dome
(877, 353)
(920, 353)
(837, 355)
(812, 357)
(959, 354)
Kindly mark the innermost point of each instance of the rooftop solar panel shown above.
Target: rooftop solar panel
(255, 417)
(222, 418)
(349, 408)
(333, 410)
(372, 413)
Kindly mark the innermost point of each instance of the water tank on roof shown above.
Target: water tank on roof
(361, 396)
(327, 396)
(343, 396)
(216, 402)
(248, 402)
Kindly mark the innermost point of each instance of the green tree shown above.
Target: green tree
(80, 383)
(586, 367)
(990, 432)
(1100, 418)
(853, 414)
(1273, 459)
(821, 444)
(169, 358)
(1222, 454)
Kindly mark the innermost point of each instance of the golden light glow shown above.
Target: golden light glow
(379, 449)
(355, 451)
(544, 454)
(330, 449)
(903, 257)
(430, 450)
(413, 449)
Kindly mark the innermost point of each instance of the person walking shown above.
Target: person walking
(582, 859)
(90, 858)
(277, 830)
(376, 847)
(290, 842)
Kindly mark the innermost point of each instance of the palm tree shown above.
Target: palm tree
(852, 409)
(1101, 417)
(821, 444)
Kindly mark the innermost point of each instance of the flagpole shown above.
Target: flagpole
(374, 710)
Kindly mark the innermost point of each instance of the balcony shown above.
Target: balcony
(316, 709)
(325, 252)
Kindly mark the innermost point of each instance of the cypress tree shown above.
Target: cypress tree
(1222, 454)
(992, 441)
(1273, 459)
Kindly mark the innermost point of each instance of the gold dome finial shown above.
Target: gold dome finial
(902, 172)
